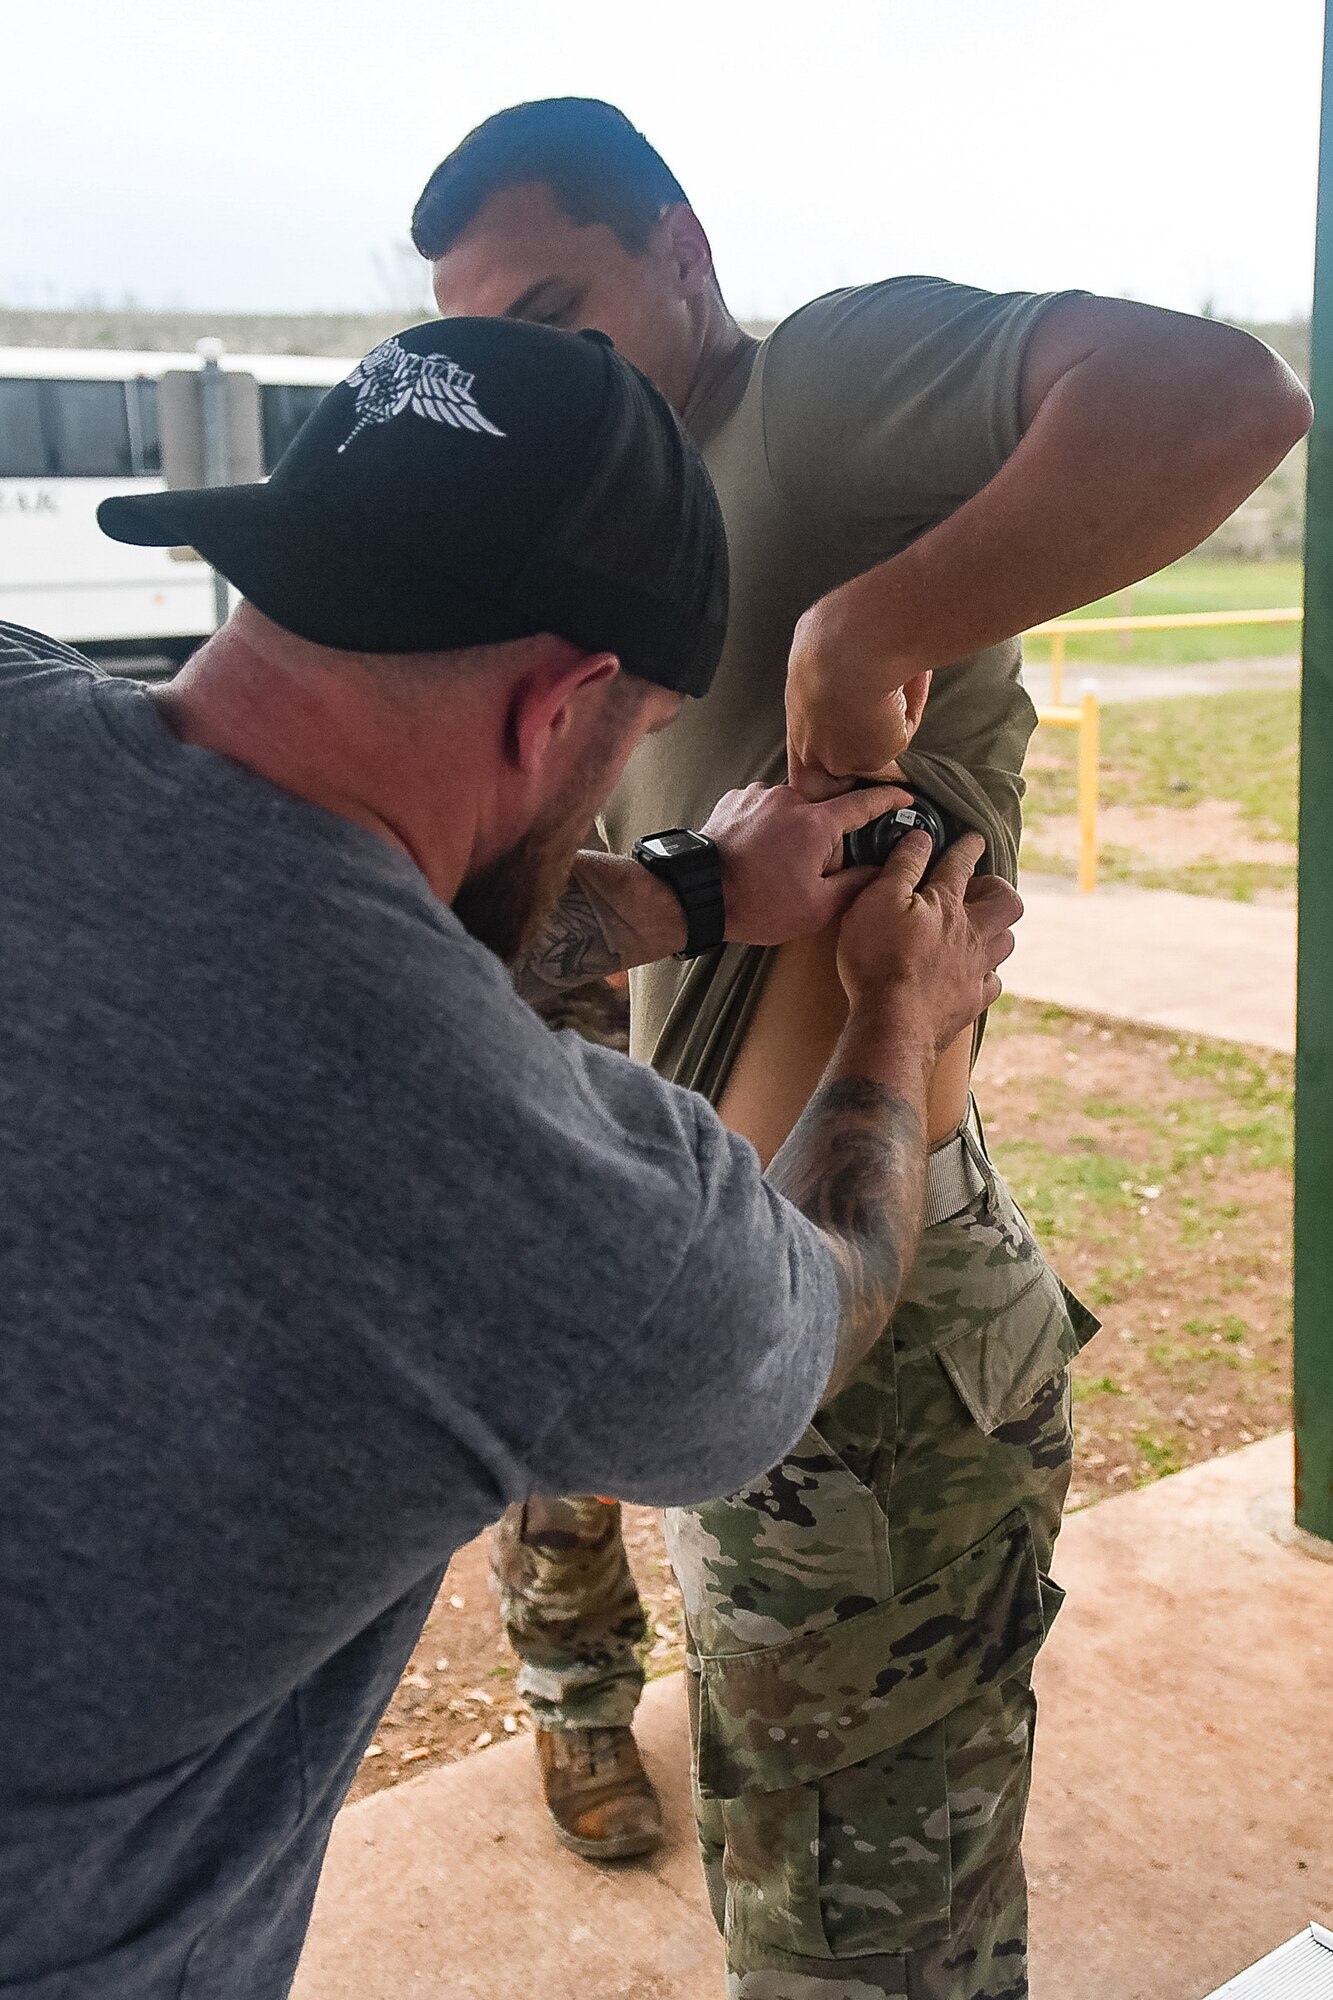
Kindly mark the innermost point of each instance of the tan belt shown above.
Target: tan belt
(954, 1172)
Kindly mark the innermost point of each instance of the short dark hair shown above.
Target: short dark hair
(596, 164)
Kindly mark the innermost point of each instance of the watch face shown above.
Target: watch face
(667, 846)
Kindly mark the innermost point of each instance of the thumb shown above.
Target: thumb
(850, 810)
(908, 863)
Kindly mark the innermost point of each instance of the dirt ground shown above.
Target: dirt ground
(1197, 794)
(1173, 836)
(1156, 1171)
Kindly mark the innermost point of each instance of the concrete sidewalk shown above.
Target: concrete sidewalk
(1181, 1822)
(1195, 964)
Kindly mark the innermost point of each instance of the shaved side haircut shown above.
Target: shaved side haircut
(596, 164)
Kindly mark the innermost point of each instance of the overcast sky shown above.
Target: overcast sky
(265, 154)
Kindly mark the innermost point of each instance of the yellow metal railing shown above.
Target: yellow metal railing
(1057, 630)
(1085, 716)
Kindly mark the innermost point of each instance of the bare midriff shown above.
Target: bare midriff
(800, 1013)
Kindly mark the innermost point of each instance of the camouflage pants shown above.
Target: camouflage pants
(571, 1610)
(863, 1622)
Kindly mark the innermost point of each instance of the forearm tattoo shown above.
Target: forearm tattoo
(855, 1164)
(581, 938)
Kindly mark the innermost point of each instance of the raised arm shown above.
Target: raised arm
(1143, 430)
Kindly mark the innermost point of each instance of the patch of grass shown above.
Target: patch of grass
(1242, 747)
(1244, 1118)
(1197, 583)
(1230, 881)
(1047, 1016)
(1057, 1189)
(1232, 1328)
(1252, 1115)
(1199, 1222)
(1160, 1457)
(1231, 1103)
(1254, 1079)
(1083, 1391)
(1105, 1107)
(1110, 1282)
(1187, 1261)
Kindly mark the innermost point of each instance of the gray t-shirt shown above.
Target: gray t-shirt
(316, 1249)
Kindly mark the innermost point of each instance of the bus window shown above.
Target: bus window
(87, 430)
(284, 407)
(22, 446)
(145, 431)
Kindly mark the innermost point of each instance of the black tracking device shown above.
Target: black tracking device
(871, 845)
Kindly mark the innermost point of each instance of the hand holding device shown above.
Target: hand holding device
(778, 859)
(930, 946)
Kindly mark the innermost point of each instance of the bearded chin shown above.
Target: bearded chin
(502, 905)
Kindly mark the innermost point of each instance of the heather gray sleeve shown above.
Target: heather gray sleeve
(718, 1380)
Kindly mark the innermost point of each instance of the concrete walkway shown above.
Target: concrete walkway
(1180, 1822)
(1195, 964)
(1127, 682)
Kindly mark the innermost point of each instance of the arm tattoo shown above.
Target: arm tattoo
(856, 1165)
(581, 938)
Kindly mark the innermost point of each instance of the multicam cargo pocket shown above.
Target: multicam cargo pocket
(983, 1339)
(982, 1297)
(999, 1368)
(794, 1551)
(823, 1763)
(856, 1863)
(777, 1716)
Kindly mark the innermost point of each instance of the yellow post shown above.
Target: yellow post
(1088, 759)
(1057, 668)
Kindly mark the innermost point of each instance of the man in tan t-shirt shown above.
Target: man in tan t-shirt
(911, 473)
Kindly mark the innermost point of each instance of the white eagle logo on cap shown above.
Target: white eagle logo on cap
(391, 379)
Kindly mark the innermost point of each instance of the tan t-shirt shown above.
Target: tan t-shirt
(860, 422)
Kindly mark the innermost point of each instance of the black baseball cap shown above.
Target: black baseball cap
(474, 481)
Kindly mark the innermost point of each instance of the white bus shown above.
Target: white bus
(78, 424)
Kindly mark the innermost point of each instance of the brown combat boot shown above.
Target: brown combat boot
(600, 1798)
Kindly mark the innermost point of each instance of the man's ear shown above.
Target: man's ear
(547, 700)
(688, 248)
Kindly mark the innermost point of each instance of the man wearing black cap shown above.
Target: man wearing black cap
(318, 1249)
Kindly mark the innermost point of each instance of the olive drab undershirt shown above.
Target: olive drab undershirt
(859, 423)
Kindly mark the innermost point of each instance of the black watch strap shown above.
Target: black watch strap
(691, 865)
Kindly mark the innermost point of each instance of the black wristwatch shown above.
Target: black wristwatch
(691, 865)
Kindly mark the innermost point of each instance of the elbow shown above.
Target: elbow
(1282, 411)
(1260, 407)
